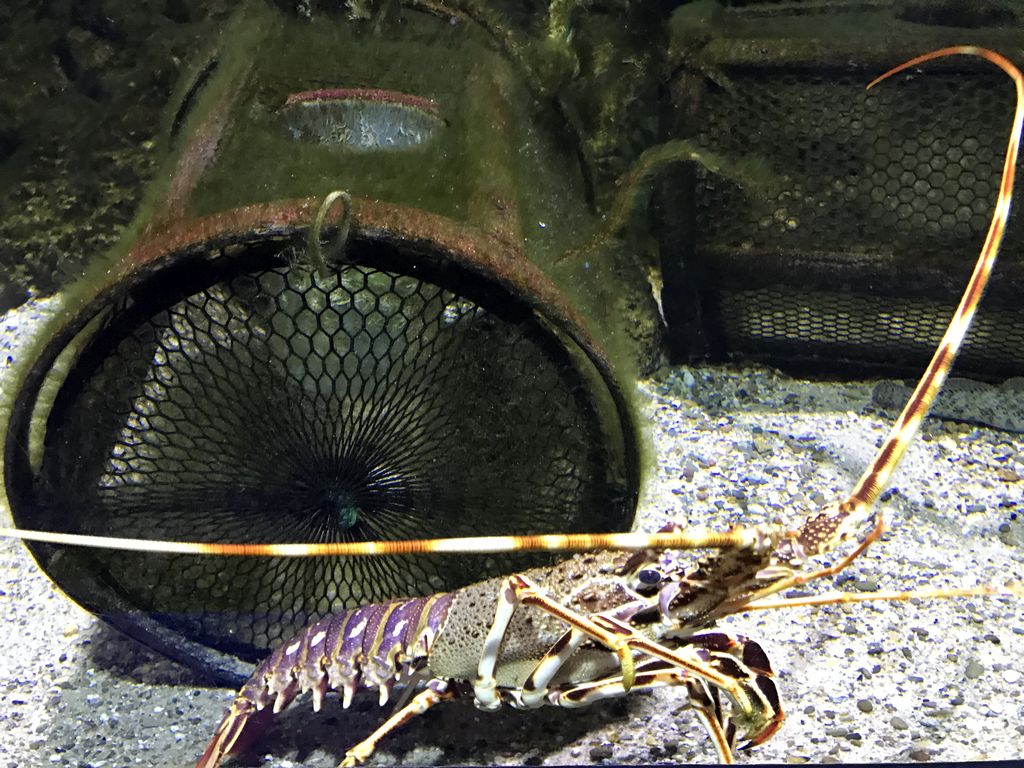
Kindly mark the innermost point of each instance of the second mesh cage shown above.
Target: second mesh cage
(838, 243)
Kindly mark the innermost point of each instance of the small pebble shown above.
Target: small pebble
(866, 585)
(865, 705)
(602, 752)
(899, 723)
(974, 670)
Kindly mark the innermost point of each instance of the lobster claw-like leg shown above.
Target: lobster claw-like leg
(706, 702)
(706, 663)
(620, 638)
(746, 662)
(655, 673)
(704, 699)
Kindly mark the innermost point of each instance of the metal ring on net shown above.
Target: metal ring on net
(228, 391)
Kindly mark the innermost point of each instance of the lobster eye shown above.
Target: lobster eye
(649, 576)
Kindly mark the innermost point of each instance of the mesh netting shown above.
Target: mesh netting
(873, 206)
(808, 327)
(283, 404)
(912, 165)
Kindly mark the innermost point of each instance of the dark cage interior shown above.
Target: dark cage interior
(255, 399)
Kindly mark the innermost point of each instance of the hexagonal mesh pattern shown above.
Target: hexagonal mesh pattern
(281, 404)
(864, 193)
(858, 166)
(818, 329)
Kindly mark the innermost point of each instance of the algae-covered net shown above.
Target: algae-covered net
(271, 402)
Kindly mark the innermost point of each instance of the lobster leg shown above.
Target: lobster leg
(518, 590)
(703, 699)
(706, 703)
(435, 692)
(620, 638)
(535, 688)
(709, 662)
(744, 660)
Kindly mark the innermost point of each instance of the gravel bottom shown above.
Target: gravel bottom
(907, 681)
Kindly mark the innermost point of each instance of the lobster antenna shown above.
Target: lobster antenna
(856, 507)
(876, 477)
(694, 538)
(837, 598)
(835, 523)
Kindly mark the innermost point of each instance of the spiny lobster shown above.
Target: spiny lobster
(599, 624)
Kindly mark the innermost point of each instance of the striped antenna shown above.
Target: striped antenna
(573, 542)
(858, 505)
(822, 530)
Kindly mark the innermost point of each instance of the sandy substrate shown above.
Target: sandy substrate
(913, 680)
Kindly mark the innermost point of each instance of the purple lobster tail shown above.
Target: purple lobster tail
(373, 646)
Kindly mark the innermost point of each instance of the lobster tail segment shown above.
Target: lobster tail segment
(373, 646)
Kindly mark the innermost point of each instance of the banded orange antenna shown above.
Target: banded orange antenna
(875, 478)
(834, 525)
(856, 509)
(483, 545)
